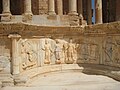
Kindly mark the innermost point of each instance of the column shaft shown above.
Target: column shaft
(59, 7)
(98, 11)
(80, 7)
(15, 60)
(51, 7)
(73, 7)
(6, 6)
(27, 7)
(89, 12)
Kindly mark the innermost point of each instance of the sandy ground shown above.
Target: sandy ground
(69, 81)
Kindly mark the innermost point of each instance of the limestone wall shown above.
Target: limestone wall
(41, 46)
(98, 44)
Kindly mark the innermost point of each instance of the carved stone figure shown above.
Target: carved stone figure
(92, 51)
(58, 52)
(70, 52)
(28, 55)
(48, 52)
(65, 50)
(108, 49)
(116, 52)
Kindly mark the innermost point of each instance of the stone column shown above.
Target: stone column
(6, 14)
(89, 12)
(0, 84)
(80, 8)
(98, 11)
(6, 6)
(60, 7)
(15, 60)
(51, 7)
(73, 7)
(27, 7)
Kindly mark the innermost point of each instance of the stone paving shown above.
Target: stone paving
(70, 81)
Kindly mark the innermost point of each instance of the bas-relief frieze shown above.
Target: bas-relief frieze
(112, 51)
(56, 51)
(28, 53)
(35, 52)
(70, 52)
(88, 51)
(46, 51)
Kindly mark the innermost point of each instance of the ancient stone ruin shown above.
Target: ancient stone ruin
(57, 37)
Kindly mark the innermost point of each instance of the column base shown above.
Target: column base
(6, 17)
(51, 13)
(73, 13)
(27, 17)
(98, 22)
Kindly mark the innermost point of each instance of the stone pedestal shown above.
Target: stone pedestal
(59, 7)
(15, 60)
(51, 7)
(6, 14)
(89, 11)
(73, 7)
(98, 11)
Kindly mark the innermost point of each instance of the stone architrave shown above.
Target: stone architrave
(15, 60)
(98, 12)
(73, 7)
(51, 7)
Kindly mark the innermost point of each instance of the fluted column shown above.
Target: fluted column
(73, 7)
(6, 7)
(51, 7)
(15, 60)
(89, 12)
(98, 12)
(60, 7)
(80, 7)
(27, 7)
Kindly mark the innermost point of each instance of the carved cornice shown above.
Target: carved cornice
(25, 29)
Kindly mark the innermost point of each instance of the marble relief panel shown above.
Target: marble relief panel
(28, 54)
(5, 57)
(88, 50)
(44, 51)
(112, 51)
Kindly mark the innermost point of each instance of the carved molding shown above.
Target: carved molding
(32, 30)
